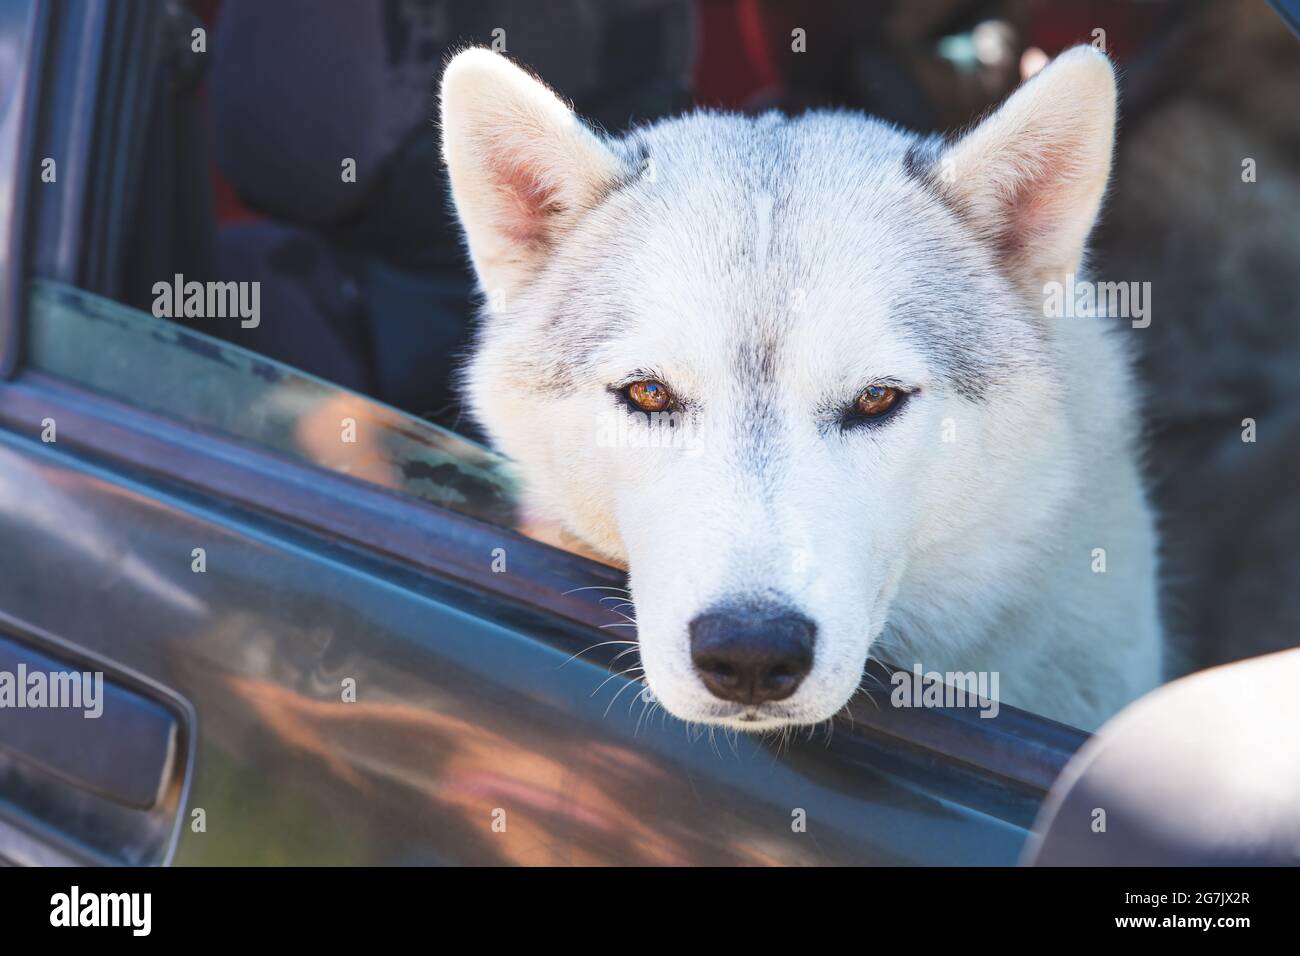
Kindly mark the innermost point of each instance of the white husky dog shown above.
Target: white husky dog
(890, 448)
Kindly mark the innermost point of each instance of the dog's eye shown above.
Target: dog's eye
(876, 400)
(874, 405)
(649, 395)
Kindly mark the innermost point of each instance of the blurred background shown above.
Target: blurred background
(370, 288)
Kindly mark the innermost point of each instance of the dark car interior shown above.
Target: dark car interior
(366, 274)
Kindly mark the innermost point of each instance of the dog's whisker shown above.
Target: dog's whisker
(645, 706)
(592, 648)
(635, 645)
(600, 587)
(867, 694)
(635, 667)
(630, 683)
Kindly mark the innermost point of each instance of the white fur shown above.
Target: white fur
(807, 236)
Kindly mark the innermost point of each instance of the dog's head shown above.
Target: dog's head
(791, 371)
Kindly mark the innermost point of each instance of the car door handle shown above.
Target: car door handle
(103, 737)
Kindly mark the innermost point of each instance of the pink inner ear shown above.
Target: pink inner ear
(527, 201)
(1029, 218)
(1040, 197)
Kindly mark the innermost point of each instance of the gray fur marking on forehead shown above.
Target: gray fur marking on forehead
(922, 157)
(923, 163)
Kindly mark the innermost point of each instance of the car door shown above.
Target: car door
(319, 636)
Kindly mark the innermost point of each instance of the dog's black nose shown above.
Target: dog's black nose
(752, 657)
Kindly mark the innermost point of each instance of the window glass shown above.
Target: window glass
(169, 369)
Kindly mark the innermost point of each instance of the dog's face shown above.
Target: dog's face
(786, 370)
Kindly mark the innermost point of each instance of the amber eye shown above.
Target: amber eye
(649, 395)
(876, 400)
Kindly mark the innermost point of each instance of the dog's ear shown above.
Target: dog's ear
(523, 167)
(1030, 177)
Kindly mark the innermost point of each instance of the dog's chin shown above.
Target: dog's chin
(759, 719)
(753, 722)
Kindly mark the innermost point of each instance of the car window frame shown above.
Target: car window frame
(18, 116)
(1021, 751)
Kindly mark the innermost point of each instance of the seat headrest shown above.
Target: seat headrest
(298, 86)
